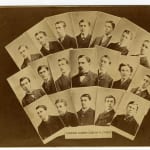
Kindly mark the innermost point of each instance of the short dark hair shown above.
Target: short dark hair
(60, 59)
(123, 64)
(63, 22)
(42, 66)
(134, 103)
(23, 78)
(147, 75)
(41, 106)
(111, 96)
(40, 32)
(106, 56)
(86, 95)
(61, 101)
(86, 57)
(111, 22)
(128, 32)
(20, 46)
(83, 20)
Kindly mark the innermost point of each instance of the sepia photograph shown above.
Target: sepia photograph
(83, 25)
(65, 108)
(45, 119)
(123, 36)
(43, 38)
(130, 114)
(127, 67)
(23, 51)
(61, 69)
(141, 47)
(140, 84)
(103, 29)
(61, 26)
(107, 64)
(83, 67)
(26, 86)
(106, 105)
(84, 100)
(43, 71)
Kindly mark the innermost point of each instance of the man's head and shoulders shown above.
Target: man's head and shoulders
(30, 93)
(24, 51)
(124, 42)
(48, 46)
(48, 82)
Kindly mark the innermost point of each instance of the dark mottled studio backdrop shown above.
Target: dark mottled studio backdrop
(15, 128)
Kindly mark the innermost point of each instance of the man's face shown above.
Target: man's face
(24, 52)
(104, 63)
(146, 82)
(42, 113)
(125, 39)
(60, 29)
(108, 28)
(64, 67)
(84, 27)
(42, 39)
(125, 72)
(85, 102)
(131, 109)
(61, 108)
(44, 73)
(145, 48)
(83, 65)
(26, 85)
(109, 104)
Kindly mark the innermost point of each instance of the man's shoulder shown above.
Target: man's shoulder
(36, 56)
(112, 45)
(92, 74)
(108, 77)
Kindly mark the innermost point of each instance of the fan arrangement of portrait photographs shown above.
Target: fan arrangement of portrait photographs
(83, 74)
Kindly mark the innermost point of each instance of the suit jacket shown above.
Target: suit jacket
(68, 42)
(116, 46)
(48, 128)
(104, 80)
(83, 43)
(86, 118)
(69, 119)
(98, 41)
(63, 83)
(29, 98)
(144, 62)
(89, 80)
(54, 47)
(105, 118)
(49, 87)
(27, 61)
(117, 84)
(145, 94)
(129, 125)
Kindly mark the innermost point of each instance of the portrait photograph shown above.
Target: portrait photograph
(141, 47)
(104, 27)
(61, 26)
(83, 25)
(65, 108)
(43, 72)
(130, 114)
(83, 67)
(106, 105)
(127, 66)
(23, 51)
(43, 38)
(140, 84)
(107, 65)
(26, 86)
(60, 65)
(123, 36)
(45, 119)
(84, 100)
